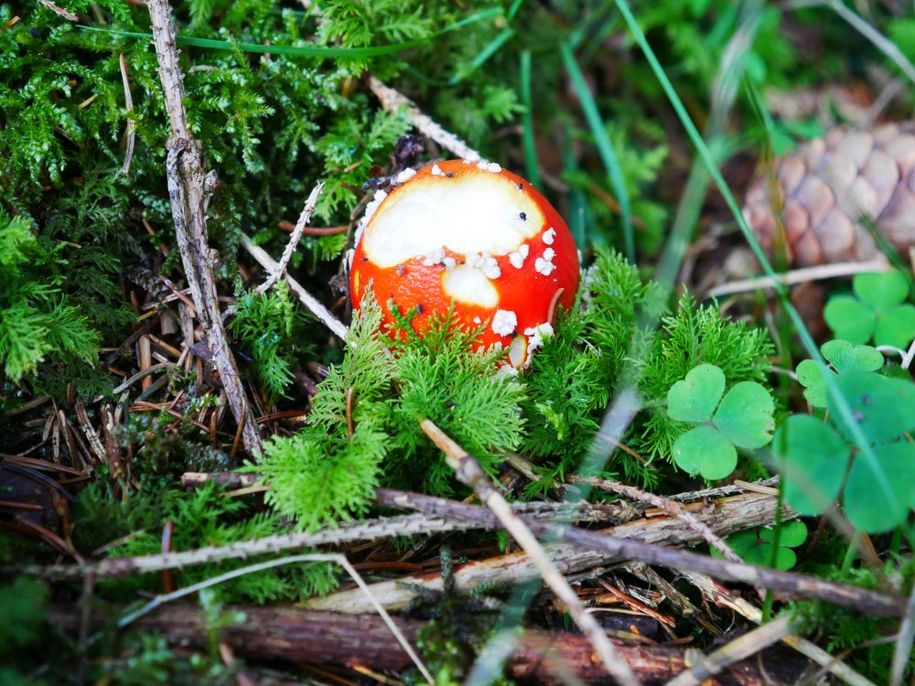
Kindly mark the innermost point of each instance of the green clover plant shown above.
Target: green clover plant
(877, 310)
(756, 546)
(740, 419)
(842, 357)
(815, 453)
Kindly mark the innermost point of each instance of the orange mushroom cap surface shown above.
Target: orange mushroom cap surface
(472, 234)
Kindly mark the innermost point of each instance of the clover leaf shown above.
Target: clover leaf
(878, 309)
(897, 462)
(814, 457)
(705, 450)
(741, 419)
(842, 357)
(695, 398)
(745, 415)
(882, 407)
(755, 545)
(878, 490)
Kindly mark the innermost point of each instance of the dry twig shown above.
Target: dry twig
(470, 473)
(881, 42)
(59, 11)
(416, 524)
(802, 275)
(313, 305)
(293, 239)
(671, 507)
(903, 649)
(189, 187)
(91, 434)
(392, 101)
(224, 479)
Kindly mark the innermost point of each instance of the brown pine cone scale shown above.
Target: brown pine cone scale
(821, 199)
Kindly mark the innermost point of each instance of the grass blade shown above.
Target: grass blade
(578, 213)
(527, 121)
(881, 42)
(604, 147)
(483, 56)
(319, 51)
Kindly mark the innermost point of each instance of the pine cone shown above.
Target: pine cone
(831, 189)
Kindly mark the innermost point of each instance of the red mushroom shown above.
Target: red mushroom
(473, 234)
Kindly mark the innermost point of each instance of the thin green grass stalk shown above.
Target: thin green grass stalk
(527, 120)
(851, 553)
(685, 221)
(591, 32)
(783, 324)
(320, 51)
(604, 147)
(513, 10)
(627, 400)
(579, 207)
(881, 42)
(483, 56)
(776, 541)
(757, 104)
(803, 333)
(724, 93)
(896, 541)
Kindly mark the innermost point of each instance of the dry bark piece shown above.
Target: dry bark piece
(817, 203)
(300, 636)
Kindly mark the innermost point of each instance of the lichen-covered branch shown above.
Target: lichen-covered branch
(637, 540)
(671, 507)
(188, 189)
(294, 239)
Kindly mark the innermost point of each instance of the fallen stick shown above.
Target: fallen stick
(470, 473)
(294, 239)
(223, 479)
(393, 100)
(159, 601)
(296, 636)
(740, 648)
(417, 524)
(311, 303)
(369, 530)
(189, 187)
(723, 516)
(720, 595)
(671, 507)
(802, 275)
(582, 549)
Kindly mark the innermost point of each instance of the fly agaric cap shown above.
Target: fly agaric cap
(472, 234)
